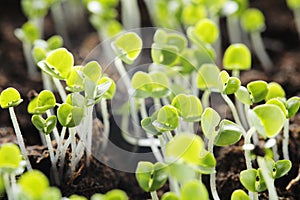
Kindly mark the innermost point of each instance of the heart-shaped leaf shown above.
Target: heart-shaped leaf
(239, 195)
(243, 95)
(68, 115)
(44, 126)
(274, 90)
(237, 57)
(43, 102)
(208, 76)
(293, 105)
(282, 167)
(167, 119)
(150, 176)
(258, 90)
(209, 121)
(194, 190)
(228, 133)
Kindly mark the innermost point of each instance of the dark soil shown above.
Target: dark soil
(281, 41)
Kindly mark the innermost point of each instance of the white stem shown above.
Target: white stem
(234, 30)
(260, 51)
(57, 14)
(268, 179)
(130, 14)
(63, 155)
(57, 138)
(154, 148)
(8, 188)
(232, 108)
(60, 89)
(249, 134)
(205, 98)
(52, 159)
(105, 117)
(194, 84)
(154, 195)
(73, 147)
(89, 136)
(31, 67)
(285, 141)
(47, 84)
(19, 136)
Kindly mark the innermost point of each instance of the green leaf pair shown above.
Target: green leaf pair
(228, 133)
(69, 116)
(114, 194)
(155, 84)
(228, 85)
(10, 97)
(189, 107)
(150, 176)
(43, 102)
(44, 126)
(10, 157)
(167, 119)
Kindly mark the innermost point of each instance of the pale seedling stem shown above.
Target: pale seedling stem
(60, 89)
(249, 134)
(205, 98)
(105, 116)
(89, 136)
(285, 141)
(234, 30)
(233, 109)
(19, 137)
(154, 195)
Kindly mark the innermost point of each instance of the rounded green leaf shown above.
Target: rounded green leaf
(98, 196)
(43, 102)
(169, 196)
(44, 126)
(10, 157)
(167, 119)
(258, 90)
(177, 40)
(141, 82)
(274, 90)
(191, 13)
(228, 133)
(77, 197)
(293, 105)
(68, 115)
(209, 121)
(194, 190)
(93, 71)
(182, 172)
(55, 42)
(33, 184)
(280, 103)
(189, 107)
(10, 97)
(52, 193)
(239, 195)
(75, 80)
(109, 94)
(207, 163)
(268, 119)
(243, 95)
(60, 61)
(253, 20)
(127, 47)
(160, 84)
(207, 31)
(282, 168)
(232, 85)
(38, 54)
(248, 179)
(148, 126)
(150, 176)
(164, 54)
(293, 4)
(237, 57)
(223, 77)
(116, 194)
(28, 33)
(207, 77)
(184, 147)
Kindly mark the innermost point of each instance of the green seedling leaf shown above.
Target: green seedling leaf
(191, 13)
(68, 115)
(43, 102)
(2, 185)
(102, 88)
(58, 63)
(223, 78)
(141, 82)
(167, 119)
(75, 99)
(116, 194)
(92, 70)
(10, 97)
(164, 54)
(278, 102)
(258, 90)
(182, 172)
(33, 9)
(228, 133)
(75, 80)
(127, 47)
(10, 157)
(160, 84)
(274, 90)
(282, 167)
(237, 57)
(147, 125)
(150, 176)
(239, 195)
(98, 196)
(44, 126)
(33, 184)
(268, 119)
(52, 193)
(194, 190)
(207, 163)
(293, 105)
(177, 40)
(208, 76)
(252, 180)
(186, 148)
(232, 85)
(28, 33)
(189, 107)
(209, 121)
(207, 31)
(243, 95)
(253, 20)
(77, 197)
(39, 54)
(160, 37)
(55, 42)
(109, 94)
(170, 196)
(293, 4)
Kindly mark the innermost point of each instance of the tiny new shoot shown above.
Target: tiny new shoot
(9, 98)
(253, 22)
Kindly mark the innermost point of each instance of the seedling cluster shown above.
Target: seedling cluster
(182, 128)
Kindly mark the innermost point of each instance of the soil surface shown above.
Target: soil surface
(282, 43)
